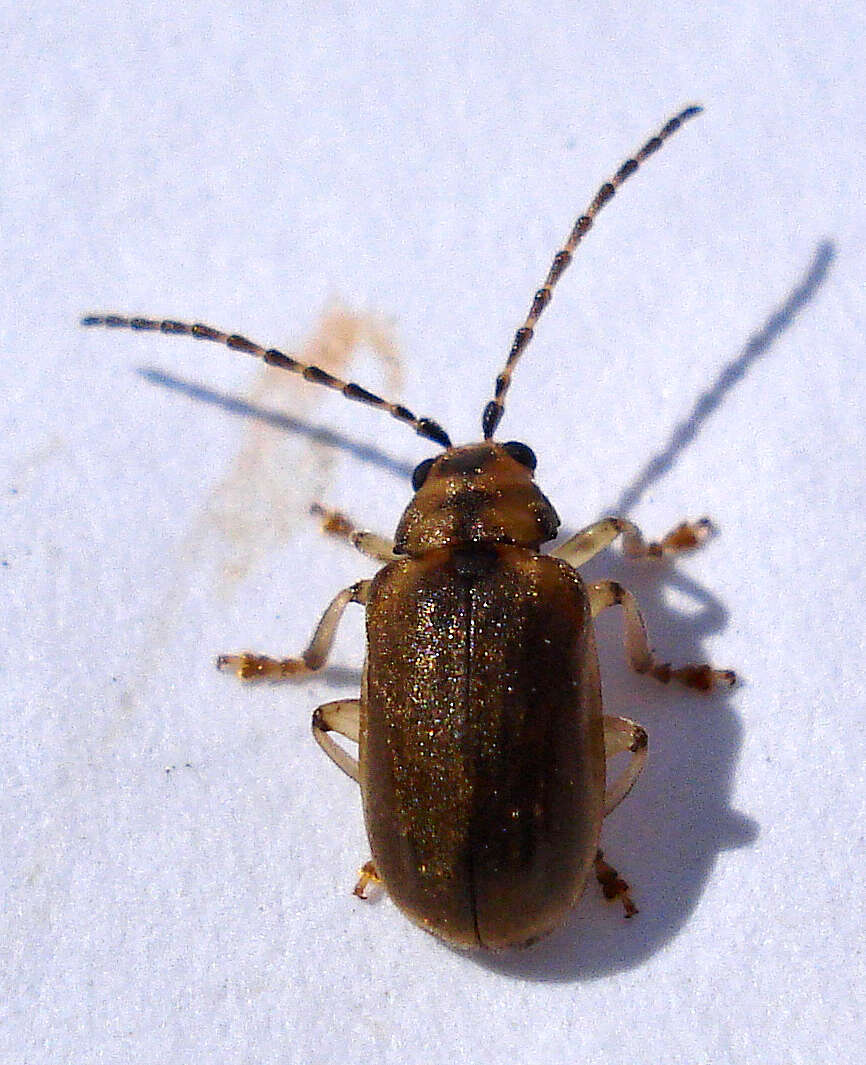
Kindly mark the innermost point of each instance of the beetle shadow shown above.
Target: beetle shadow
(319, 434)
(667, 842)
(666, 839)
(755, 347)
(339, 677)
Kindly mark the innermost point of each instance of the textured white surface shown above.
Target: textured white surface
(177, 854)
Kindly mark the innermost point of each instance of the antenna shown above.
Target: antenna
(494, 410)
(425, 427)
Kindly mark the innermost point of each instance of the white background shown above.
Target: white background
(177, 854)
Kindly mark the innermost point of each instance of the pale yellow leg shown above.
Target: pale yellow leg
(594, 538)
(249, 666)
(605, 594)
(370, 544)
(620, 736)
(342, 717)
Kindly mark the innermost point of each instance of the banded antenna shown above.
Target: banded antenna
(494, 410)
(425, 427)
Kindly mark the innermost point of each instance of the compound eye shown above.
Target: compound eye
(521, 453)
(420, 474)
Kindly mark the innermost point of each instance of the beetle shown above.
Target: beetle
(482, 741)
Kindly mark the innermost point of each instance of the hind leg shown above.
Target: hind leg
(343, 717)
(623, 736)
(612, 884)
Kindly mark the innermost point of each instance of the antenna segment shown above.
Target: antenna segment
(425, 427)
(494, 410)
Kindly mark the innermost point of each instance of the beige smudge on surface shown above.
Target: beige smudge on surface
(277, 474)
(266, 492)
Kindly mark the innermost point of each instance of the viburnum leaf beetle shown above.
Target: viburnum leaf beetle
(482, 743)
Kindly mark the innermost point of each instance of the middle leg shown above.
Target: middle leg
(249, 666)
(604, 594)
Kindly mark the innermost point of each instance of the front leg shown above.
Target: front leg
(248, 666)
(335, 523)
(594, 538)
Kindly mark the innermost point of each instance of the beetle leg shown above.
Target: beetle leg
(613, 885)
(594, 538)
(620, 736)
(248, 666)
(604, 594)
(366, 875)
(370, 544)
(343, 717)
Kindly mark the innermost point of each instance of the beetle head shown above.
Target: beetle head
(476, 494)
